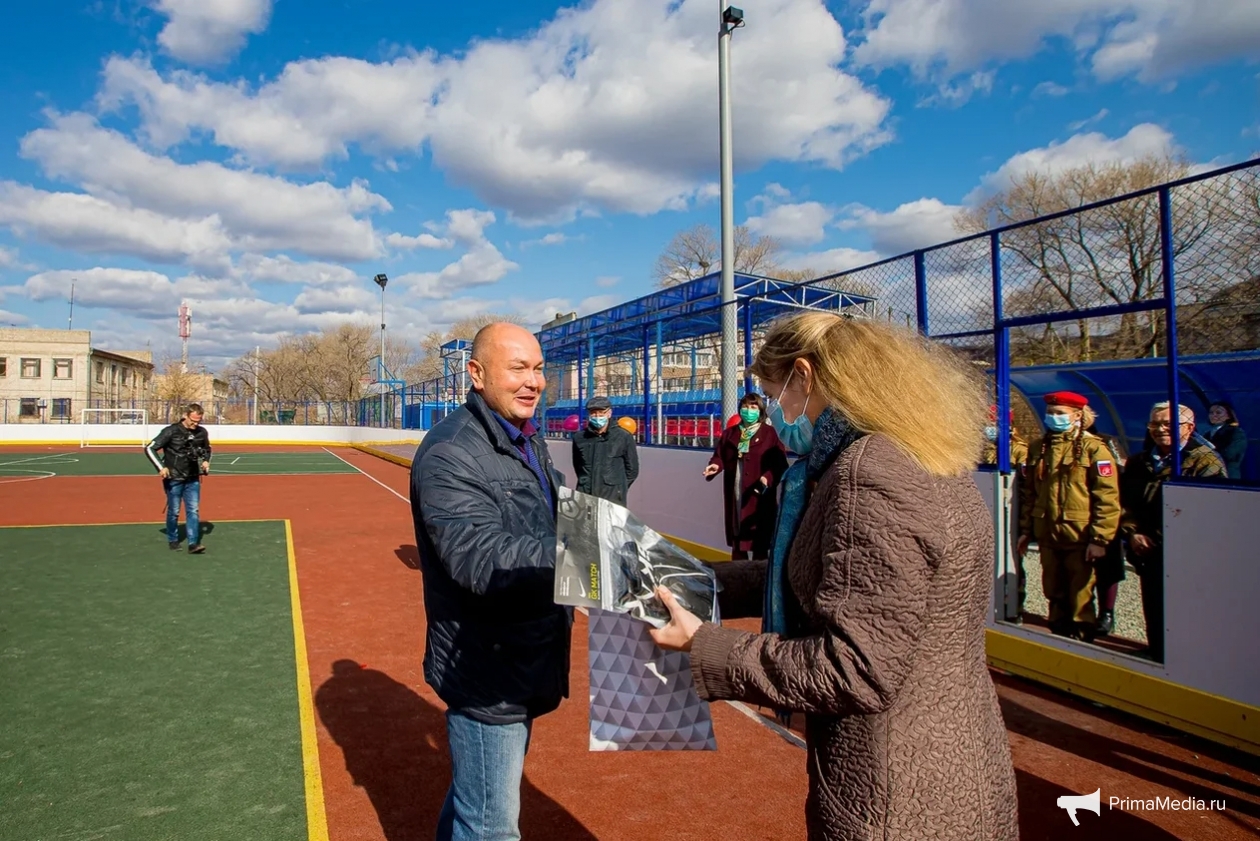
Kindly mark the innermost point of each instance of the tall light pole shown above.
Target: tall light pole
(731, 19)
(381, 280)
(257, 366)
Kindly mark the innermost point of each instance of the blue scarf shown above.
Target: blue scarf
(782, 614)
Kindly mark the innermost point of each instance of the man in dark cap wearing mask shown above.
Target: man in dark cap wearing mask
(605, 457)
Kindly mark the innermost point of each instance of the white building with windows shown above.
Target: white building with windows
(49, 376)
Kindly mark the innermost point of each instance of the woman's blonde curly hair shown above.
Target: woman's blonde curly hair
(887, 380)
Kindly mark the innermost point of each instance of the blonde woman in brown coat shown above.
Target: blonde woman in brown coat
(885, 588)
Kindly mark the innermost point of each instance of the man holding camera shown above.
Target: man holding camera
(185, 447)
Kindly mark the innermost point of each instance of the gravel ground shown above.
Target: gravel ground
(1129, 622)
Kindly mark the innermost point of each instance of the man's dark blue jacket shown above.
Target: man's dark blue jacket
(497, 646)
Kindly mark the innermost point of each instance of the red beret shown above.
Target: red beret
(1066, 398)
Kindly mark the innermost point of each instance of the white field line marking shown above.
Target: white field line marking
(11, 480)
(40, 459)
(235, 460)
(370, 476)
(782, 732)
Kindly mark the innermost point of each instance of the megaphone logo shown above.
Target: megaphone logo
(1072, 802)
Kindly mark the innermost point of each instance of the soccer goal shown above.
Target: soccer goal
(114, 427)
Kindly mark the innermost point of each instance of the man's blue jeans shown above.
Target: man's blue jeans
(487, 761)
(190, 494)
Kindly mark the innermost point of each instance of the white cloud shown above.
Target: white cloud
(481, 265)
(8, 258)
(1051, 89)
(913, 225)
(338, 299)
(210, 31)
(960, 92)
(1088, 121)
(1142, 140)
(13, 319)
(421, 241)
(95, 225)
(793, 224)
(258, 212)
(577, 117)
(607, 281)
(1151, 39)
(284, 269)
(536, 313)
(144, 293)
(830, 261)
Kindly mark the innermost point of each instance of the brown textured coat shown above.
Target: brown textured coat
(906, 741)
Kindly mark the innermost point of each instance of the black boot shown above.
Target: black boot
(1106, 623)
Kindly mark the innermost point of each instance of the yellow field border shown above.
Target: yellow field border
(401, 461)
(316, 816)
(1193, 711)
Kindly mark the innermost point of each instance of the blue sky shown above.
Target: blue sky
(263, 159)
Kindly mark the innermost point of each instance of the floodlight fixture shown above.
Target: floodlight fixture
(733, 17)
(381, 280)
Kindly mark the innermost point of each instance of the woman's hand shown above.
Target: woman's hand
(683, 624)
(710, 471)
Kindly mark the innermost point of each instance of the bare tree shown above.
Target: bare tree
(697, 251)
(1108, 255)
(428, 365)
(175, 385)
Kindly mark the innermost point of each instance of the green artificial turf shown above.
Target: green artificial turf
(148, 694)
(133, 462)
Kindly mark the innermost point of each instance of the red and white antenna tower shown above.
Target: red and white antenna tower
(185, 330)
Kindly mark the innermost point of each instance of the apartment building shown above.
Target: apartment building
(177, 389)
(49, 376)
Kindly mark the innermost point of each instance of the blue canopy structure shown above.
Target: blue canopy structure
(685, 312)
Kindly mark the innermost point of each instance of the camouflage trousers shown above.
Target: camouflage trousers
(1067, 580)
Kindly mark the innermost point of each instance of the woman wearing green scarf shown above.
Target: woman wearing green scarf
(753, 461)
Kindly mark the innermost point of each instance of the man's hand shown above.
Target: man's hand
(205, 467)
(1141, 544)
(165, 473)
(1093, 552)
(683, 624)
(710, 471)
(1021, 546)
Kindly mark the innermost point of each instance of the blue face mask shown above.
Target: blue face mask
(599, 423)
(990, 432)
(797, 436)
(1059, 423)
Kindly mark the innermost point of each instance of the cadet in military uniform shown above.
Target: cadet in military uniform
(1070, 504)
(1143, 499)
